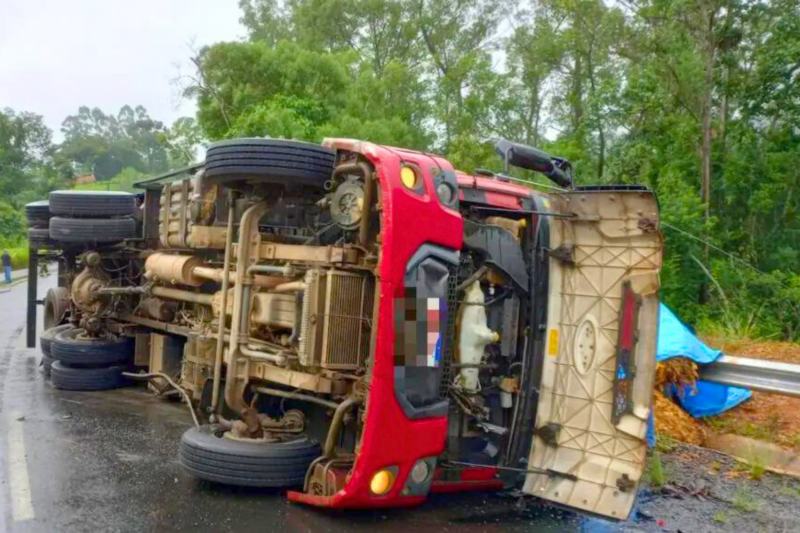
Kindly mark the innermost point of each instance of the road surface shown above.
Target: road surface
(107, 461)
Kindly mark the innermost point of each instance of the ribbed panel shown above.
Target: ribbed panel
(347, 315)
(173, 208)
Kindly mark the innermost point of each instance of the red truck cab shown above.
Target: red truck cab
(563, 416)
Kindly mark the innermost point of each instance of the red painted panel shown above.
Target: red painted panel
(408, 220)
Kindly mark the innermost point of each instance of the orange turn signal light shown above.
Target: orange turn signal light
(409, 177)
(382, 482)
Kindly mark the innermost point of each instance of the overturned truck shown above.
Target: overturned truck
(366, 325)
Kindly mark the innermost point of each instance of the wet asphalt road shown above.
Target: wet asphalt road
(107, 461)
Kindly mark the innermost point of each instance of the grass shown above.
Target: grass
(107, 185)
(665, 443)
(721, 517)
(768, 431)
(756, 468)
(656, 472)
(121, 182)
(790, 491)
(744, 501)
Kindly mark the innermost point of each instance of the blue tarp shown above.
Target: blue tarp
(706, 399)
(676, 340)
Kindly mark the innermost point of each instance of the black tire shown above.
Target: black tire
(46, 338)
(205, 454)
(47, 365)
(92, 203)
(39, 236)
(56, 305)
(87, 379)
(91, 231)
(270, 161)
(73, 348)
(38, 213)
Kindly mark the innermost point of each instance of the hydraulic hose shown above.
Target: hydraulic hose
(154, 375)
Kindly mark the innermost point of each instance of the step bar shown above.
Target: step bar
(755, 374)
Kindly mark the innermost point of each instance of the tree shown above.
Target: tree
(182, 141)
(234, 79)
(103, 144)
(265, 21)
(457, 37)
(25, 146)
(698, 99)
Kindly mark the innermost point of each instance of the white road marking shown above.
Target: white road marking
(21, 501)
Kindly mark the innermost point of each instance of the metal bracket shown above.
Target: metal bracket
(625, 483)
(548, 433)
(564, 253)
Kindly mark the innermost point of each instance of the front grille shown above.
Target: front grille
(449, 340)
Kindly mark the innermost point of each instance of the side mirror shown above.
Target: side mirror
(522, 156)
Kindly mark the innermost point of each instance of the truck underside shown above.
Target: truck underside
(368, 325)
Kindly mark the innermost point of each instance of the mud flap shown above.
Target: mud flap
(597, 381)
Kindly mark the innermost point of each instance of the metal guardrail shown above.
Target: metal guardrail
(756, 374)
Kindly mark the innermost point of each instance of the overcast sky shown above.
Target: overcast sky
(56, 55)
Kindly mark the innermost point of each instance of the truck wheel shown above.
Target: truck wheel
(92, 203)
(269, 161)
(38, 213)
(39, 236)
(91, 231)
(87, 379)
(46, 338)
(206, 454)
(47, 365)
(74, 348)
(56, 305)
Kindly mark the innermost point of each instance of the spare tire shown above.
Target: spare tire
(46, 338)
(73, 347)
(92, 203)
(269, 160)
(208, 455)
(38, 213)
(91, 231)
(87, 379)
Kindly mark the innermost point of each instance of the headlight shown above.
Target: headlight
(445, 193)
(419, 474)
(409, 177)
(382, 482)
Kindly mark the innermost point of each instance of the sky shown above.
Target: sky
(57, 55)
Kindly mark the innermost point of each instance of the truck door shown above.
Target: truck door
(589, 446)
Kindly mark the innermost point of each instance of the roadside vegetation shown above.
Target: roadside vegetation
(698, 100)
